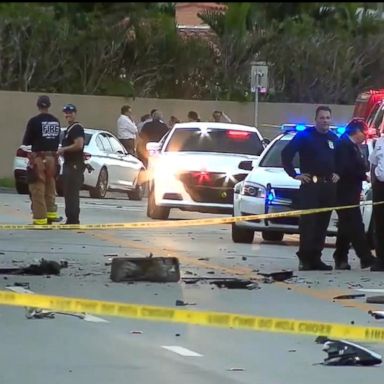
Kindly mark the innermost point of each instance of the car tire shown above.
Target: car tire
(136, 194)
(153, 210)
(272, 235)
(242, 235)
(101, 188)
(21, 188)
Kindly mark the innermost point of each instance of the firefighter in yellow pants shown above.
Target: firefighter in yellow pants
(42, 187)
(43, 135)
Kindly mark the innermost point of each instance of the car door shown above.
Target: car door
(126, 165)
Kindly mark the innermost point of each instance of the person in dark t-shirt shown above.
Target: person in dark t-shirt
(43, 135)
(72, 150)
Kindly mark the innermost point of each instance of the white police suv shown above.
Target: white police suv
(268, 189)
(196, 165)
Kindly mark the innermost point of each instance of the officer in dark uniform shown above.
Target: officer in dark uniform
(73, 168)
(43, 135)
(351, 166)
(316, 149)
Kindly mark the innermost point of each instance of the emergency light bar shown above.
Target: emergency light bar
(339, 130)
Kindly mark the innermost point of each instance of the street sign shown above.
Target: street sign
(259, 77)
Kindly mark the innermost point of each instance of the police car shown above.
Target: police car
(268, 189)
(195, 166)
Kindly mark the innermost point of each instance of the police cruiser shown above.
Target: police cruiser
(268, 189)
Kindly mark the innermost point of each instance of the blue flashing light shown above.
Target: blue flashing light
(300, 127)
(340, 130)
(270, 197)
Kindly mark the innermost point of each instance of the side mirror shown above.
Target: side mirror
(153, 147)
(247, 165)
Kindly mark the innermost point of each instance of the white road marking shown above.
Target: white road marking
(18, 289)
(181, 351)
(369, 290)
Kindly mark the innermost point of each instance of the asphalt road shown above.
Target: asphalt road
(69, 350)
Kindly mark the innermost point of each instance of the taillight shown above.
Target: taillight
(201, 177)
(238, 135)
(86, 156)
(21, 153)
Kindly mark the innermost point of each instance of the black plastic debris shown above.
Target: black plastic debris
(45, 267)
(180, 303)
(234, 284)
(25, 285)
(278, 276)
(375, 300)
(348, 297)
(377, 314)
(154, 269)
(345, 353)
(38, 313)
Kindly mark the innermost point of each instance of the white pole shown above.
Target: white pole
(256, 98)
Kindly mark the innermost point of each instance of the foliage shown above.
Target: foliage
(316, 52)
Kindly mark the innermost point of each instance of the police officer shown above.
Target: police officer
(377, 177)
(43, 134)
(316, 149)
(73, 169)
(351, 166)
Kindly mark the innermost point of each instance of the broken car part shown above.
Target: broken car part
(153, 269)
(375, 300)
(278, 276)
(377, 314)
(342, 352)
(348, 297)
(46, 267)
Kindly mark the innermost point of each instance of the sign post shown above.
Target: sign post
(259, 83)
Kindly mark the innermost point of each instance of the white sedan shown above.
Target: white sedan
(113, 169)
(195, 166)
(268, 189)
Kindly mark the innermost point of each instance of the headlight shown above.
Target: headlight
(253, 189)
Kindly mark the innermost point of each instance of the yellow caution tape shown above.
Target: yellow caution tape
(181, 223)
(204, 318)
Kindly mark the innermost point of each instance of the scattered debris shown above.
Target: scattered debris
(203, 258)
(37, 313)
(243, 258)
(235, 284)
(341, 353)
(45, 267)
(154, 269)
(183, 303)
(278, 276)
(111, 255)
(236, 369)
(211, 272)
(25, 285)
(136, 332)
(377, 314)
(292, 350)
(375, 300)
(349, 297)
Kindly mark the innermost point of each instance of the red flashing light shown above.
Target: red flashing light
(371, 132)
(240, 135)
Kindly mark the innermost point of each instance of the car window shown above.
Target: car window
(215, 140)
(86, 141)
(378, 118)
(105, 142)
(116, 145)
(273, 157)
(372, 114)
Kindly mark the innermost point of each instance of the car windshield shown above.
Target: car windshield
(273, 157)
(215, 140)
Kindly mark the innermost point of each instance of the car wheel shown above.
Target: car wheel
(272, 235)
(101, 188)
(153, 210)
(242, 235)
(136, 194)
(21, 188)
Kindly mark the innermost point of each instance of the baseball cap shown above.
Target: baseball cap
(43, 101)
(69, 108)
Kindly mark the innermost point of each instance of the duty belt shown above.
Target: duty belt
(321, 179)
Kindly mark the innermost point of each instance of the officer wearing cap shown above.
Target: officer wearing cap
(43, 135)
(352, 167)
(316, 149)
(72, 150)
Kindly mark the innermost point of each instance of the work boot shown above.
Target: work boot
(368, 261)
(378, 266)
(342, 266)
(315, 266)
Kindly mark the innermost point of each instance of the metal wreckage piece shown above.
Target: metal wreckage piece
(342, 352)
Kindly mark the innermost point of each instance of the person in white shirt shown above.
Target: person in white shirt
(220, 117)
(377, 178)
(127, 130)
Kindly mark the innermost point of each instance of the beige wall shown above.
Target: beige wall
(102, 111)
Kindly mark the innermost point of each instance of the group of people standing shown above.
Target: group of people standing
(332, 171)
(151, 127)
(43, 135)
